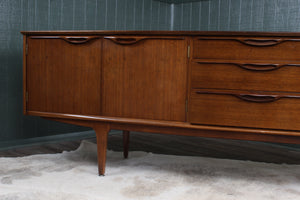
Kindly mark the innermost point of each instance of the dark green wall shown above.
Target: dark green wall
(17, 15)
(238, 15)
(94, 14)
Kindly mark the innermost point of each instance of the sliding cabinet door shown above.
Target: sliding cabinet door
(63, 74)
(144, 77)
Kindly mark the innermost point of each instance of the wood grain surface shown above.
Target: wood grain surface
(247, 48)
(64, 76)
(146, 78)
(262, 76)
(244, 109)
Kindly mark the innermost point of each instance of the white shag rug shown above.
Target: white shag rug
(73, 175)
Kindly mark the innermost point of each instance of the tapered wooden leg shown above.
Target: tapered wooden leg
(126, 135)
(101, 133)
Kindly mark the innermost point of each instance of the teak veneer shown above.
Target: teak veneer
(234, 85)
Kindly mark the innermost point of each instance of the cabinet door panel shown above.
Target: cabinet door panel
(145, 77)
(63, 76)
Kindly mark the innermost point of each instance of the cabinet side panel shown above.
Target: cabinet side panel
(63, 77)
(24, 75)
(146, 79)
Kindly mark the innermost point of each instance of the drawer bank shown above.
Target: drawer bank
(234, 85)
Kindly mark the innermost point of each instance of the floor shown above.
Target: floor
(178, 145)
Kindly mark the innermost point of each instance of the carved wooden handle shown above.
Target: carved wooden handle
(259, 67)
(265, 67)
(69, 39)
(252, 66)
(261, 42)
(256, 98)
(125, 41)
(79, 39)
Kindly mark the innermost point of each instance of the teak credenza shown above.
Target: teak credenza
(235, 85)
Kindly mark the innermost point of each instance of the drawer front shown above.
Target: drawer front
(244, 109)
(245, 76)
(246, 48)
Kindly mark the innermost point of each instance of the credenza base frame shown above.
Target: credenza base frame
(102, 126)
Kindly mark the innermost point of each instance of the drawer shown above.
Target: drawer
(245, 75)
(245, 109)
(246, 48)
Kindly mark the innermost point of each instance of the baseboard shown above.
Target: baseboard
(48, 139)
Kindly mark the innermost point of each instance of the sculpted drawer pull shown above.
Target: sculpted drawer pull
(252, 66)
(134, 40)
(124, 41)
(264, 67)
(260, 67)
(78, 40)
(257, 98)
(69, 39)
(255, 42)
(261, 42)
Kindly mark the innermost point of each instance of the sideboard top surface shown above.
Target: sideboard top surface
(175, 33)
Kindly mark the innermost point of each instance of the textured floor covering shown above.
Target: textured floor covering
(73, 175)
